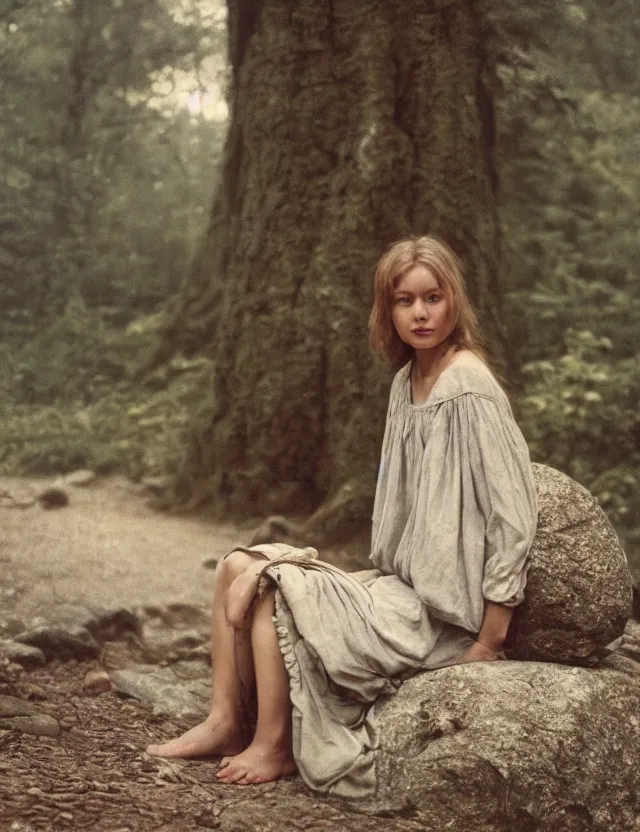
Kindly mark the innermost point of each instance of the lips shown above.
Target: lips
(422, 331)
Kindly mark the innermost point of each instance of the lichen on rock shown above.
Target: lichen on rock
(579, 594)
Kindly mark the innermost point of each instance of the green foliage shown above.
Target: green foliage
(72, 399)
(106, 188)
(569, 121)
(580, 414)
(107, 179)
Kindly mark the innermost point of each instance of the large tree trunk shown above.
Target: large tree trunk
(353, 123)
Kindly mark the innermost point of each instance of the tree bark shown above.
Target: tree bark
(353, 123)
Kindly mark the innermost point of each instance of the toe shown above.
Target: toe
(243, 781)
(229, 771)
(238, 774)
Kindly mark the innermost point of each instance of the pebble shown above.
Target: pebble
(96, 682)
(53, 497)
(81, 477)
(12, 706)
(33, 691)
(61, 642)
(40, 725)
(22, 654)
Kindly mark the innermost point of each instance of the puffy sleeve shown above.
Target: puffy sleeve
(475, 515)
(503, 482)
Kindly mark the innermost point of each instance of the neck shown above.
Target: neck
(429, 363)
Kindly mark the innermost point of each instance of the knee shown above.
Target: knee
(235, 564)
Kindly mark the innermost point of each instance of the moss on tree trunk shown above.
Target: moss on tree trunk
(353, 123)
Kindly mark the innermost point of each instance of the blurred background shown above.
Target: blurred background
(116, 180)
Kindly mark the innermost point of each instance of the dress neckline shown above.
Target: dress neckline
(429, 400)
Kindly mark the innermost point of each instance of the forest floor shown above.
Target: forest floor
(108, 548)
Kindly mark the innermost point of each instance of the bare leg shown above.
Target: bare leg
(270, 754)
(225, 730)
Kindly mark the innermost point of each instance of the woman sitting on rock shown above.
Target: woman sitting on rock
(453, 522)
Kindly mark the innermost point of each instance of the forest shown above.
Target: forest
(185, 185)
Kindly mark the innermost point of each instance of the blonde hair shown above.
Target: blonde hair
(446, 268)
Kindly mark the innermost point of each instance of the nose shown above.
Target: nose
(421, 310)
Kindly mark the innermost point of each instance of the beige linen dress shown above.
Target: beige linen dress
(454, 518)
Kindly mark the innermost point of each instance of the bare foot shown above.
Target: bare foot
(480, 653)
(209, 738)
(257, 764)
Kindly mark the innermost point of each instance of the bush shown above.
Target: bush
(580, 414)
(70, 398)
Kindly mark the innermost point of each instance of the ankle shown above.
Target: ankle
(222, 715)
(274, 738)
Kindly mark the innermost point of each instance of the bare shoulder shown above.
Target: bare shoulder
(468, 373)
(466, 361)
(468, 358)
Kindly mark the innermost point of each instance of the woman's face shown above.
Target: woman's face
(421, 310)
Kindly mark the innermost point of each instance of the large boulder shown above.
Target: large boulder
(487, 747)
(504, 746)
(579, 595)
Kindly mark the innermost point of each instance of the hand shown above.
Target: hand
(240, 598)
(480, 653)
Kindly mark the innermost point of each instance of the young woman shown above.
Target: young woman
(454, 518)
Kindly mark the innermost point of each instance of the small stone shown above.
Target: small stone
(22, 654)
(168, 694)
(59, 642)
(113, 624)
(32, 691)
(40, 725)
(53, 497)
(96, 682)
(82, 477)
(12, 706)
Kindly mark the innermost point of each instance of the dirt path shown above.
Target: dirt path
(107, 547)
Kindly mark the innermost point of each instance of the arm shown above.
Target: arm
(491, 637)
(495, 624)
(509, 502)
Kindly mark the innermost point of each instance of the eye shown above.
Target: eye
(433, 298)
(403, 301)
